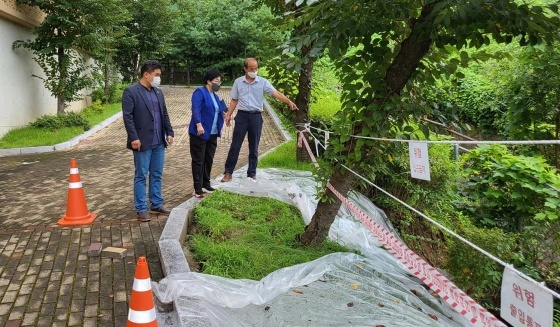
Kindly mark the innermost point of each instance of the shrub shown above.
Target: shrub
(483, 280)
(94, 109)
(98, 95)
(71, 119)
(115, 93)
(54, 122)
(48, 122)
(509, 191)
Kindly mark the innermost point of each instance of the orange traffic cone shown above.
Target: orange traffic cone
(142, 311)
(76, 208)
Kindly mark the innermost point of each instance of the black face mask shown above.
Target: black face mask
(215, 87)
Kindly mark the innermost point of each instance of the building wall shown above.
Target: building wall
(23, 97)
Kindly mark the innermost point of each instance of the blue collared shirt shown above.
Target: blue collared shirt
(153, 100)
(216, 112)
(250, 96)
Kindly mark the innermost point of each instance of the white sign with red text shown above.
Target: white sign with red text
(524, 304)
(419, 163)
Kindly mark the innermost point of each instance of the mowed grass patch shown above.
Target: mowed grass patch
(239, 236)
(284, 156)
(29, 136)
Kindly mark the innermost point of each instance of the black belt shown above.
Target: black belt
(250, 112)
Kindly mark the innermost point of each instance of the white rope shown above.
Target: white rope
(545, 142)
(491, 256)
(316, 139)
(459, 141)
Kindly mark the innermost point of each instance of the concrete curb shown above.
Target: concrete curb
(63, 145)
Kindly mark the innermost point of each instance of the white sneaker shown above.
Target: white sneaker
(208, 189)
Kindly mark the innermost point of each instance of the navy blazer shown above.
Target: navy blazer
(138, 118)
(203, 112)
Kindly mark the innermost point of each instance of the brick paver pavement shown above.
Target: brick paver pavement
(46, 277)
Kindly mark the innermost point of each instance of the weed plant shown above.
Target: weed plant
(240, 236)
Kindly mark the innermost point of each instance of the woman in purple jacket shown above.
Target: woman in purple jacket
(204, 129)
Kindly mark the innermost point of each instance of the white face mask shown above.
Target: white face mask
(156, 82)
(252, 74)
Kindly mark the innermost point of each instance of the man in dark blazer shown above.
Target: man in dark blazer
(149, 132)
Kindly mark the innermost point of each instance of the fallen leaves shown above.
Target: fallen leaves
(433, 316)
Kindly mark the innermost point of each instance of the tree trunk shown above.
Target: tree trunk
(302, 101)
(556, 146)
(318, 229)
(411, 52)
(60, 97)
(106, 78)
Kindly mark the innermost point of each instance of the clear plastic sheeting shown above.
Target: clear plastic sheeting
(335, 290)
(300, 188)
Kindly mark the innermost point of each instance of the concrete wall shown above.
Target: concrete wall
(23, 97)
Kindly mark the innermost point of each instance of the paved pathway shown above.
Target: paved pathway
(46, 277)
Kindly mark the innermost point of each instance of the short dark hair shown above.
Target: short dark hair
(149, 67)
(211, 75)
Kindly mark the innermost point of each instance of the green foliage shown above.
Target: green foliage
(508, 191)
(247, 237)
(284, 156)
(221, 34)
(435, 196)
(324, 108)
(95, 109)
(67, 26)
(49, 122)
(52, 130)
(282, 78)
(483, 280)
(381, 49)
(114, 96)
(54, 122)
(151, 33)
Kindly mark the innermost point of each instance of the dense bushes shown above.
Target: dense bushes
(114, 96)
(508, 186)
(508, 191)
(54, 122)
(521, 196)
(69, 119)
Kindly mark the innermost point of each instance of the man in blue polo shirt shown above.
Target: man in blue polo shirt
(247, 95)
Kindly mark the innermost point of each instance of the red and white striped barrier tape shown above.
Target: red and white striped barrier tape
(448, 291)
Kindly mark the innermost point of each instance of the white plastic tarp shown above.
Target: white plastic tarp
(372, 289)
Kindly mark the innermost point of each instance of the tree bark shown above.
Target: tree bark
(106, 78)
(412, 50)
(556, 146)
(61, 99)
(303, 99)
(318, 229)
